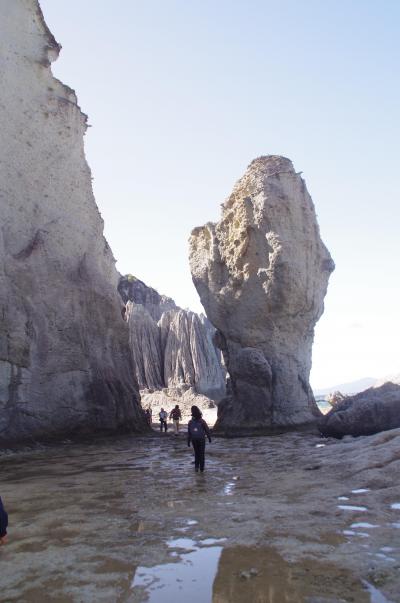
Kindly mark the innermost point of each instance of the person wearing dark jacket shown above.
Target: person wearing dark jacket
(3, 524)
(176, 416)
(198, 430)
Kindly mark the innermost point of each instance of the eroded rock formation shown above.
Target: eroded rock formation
(374, 410)
(65, 365)
(262, 273)
(171, 347)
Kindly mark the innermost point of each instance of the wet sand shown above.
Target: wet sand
(289, 518)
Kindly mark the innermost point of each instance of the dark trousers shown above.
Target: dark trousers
(163, 423)
(199, 452)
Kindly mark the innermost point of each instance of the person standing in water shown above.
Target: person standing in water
(176, 416)
(198, 430)
(163, 419)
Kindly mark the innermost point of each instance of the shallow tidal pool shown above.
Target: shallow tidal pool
(128, 519)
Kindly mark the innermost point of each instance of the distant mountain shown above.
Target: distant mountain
(352, 387)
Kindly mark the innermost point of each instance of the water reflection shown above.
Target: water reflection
(188, 579)
(211, 574)
(273, 580)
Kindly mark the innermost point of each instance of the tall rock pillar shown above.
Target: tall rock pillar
(262, 273)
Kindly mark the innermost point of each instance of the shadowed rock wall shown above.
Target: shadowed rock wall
(262, 273)
(65, 364)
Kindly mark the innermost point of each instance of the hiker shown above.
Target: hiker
(197, 432)
(176, 415)
(3, 524)
(163, 419)
(149, 416)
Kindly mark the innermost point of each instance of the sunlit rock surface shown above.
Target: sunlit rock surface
(65, 364)
(171, 347)
(262, 273)
(374, 410)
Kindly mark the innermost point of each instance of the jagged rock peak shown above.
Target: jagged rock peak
(262, 273)
(171, 347)
(133, 289)
(65, 365)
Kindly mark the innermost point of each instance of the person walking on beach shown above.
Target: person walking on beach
(3, 524)
(198, 430)
(163, 419)
(176, 416)
(149, 416)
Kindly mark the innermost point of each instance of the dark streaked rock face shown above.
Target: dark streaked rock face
(171, 347)
(375, 409)
(65, 364)
(262, 273)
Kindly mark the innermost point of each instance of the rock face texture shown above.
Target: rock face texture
(171, 347)
(262, 273)
(376, 409)
(132, 289)
(65, 364)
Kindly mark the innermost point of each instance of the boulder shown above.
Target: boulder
(376, 409)
(65, 365)
(262, 273)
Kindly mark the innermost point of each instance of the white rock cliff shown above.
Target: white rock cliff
(262, 273)
(65, 365)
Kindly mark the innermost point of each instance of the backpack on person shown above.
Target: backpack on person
(196, 429)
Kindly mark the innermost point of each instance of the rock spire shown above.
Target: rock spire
(262, 273)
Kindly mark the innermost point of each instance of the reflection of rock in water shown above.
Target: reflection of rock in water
(277, 581)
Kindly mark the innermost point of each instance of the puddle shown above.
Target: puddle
(353, 533)
(360, 491)
(376, 595)
(351, 508)
(228, 488)
(395, 506)
(364, 524)
(238, 574)
(385, 557)
(181, 543)
(320, 445)
(395, 525)
(212, 541)
(190, 578)
(343, 498)
(191, 522)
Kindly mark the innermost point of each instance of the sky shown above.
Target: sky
(182, 95)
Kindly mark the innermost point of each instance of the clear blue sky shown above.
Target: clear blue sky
(183, 94)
